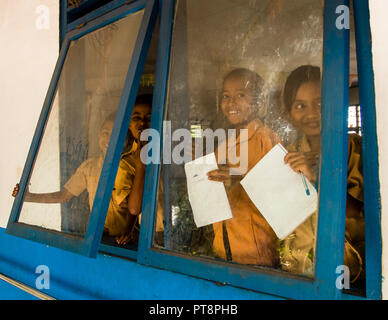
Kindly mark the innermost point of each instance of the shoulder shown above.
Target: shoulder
(293, 147)
(127, 163)
(300, 145)
(266, 135)
(90, 167)
(90, 163)
(355, 143)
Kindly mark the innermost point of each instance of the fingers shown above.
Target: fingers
(300, 167)
(15, 190)
(123, 239)
(219, 175)
(311, 157)
(306, 170)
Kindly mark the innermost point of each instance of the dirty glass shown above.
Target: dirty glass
(127, 236)
(244, 102)
(354, 249)
(66, 170)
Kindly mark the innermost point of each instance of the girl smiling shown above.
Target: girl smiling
(247, 238)
(302, 102)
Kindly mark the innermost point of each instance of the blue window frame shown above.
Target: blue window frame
(332, 205)
(373, 237)
(89, 244)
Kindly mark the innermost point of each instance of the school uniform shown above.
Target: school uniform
(247, 238)
(297, 255)
(118, 218)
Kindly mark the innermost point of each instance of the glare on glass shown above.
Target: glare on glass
(250, 72)
(66, 170)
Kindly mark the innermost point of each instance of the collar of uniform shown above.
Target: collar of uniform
(133, 149)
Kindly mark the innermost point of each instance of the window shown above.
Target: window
(354, 119)
(199, 61)
(229, 73)
(69, 175)
(229, 80)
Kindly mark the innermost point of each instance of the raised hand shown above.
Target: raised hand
(305, 162)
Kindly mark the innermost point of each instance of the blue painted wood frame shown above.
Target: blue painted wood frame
(332, 206)
(334, 153)
(158, 107)
(62, 21)
(112, 5)
(90, 243)
(372, 206)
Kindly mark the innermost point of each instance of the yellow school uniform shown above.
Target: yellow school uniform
(252, 240)
(299, 247)
(118, 218)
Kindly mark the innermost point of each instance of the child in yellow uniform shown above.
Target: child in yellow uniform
(127, 193)
(247, 238)
(302, 102)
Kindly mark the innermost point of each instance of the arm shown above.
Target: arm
(52, 197)
(225, 174)
(136, 196)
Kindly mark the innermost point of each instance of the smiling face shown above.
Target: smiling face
(140, 120)
(305, 112)
(238, 101)
(104, 135)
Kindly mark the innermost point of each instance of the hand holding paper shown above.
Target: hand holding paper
(208, 199)
(285, 198)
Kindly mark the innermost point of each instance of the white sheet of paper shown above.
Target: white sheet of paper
(208, 199)
(279, 192)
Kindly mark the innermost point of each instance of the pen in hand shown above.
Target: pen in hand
(305, 183)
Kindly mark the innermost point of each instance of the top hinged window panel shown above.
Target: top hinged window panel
(69, 174)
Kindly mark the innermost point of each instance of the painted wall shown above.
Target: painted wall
(379, 26)
(29, 33)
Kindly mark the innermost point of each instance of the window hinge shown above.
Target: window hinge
(81, 25)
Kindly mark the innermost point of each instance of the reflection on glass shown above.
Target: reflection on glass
(67, 168)
(354, 255)
(122, 226)
(229, 70)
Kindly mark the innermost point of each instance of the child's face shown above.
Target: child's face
(140, 120)
(238, 102)
(305, 112)
(104, 136)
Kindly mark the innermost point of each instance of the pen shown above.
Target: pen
(305, 183)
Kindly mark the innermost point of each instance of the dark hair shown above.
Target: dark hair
(256, 85)
(142, 99)
(255, 81)
(145, 98)
(298, 77)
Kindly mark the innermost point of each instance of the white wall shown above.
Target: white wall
(379, 26)
(29, 35)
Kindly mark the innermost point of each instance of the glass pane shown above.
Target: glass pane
(128, 191)
(354, 248)
(244, 89)
(66, 170)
